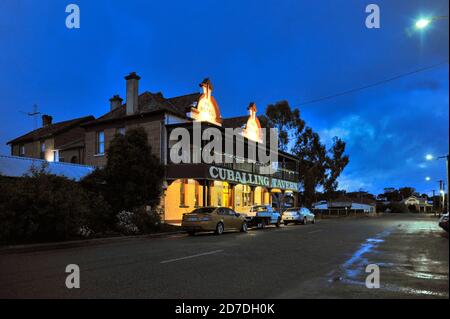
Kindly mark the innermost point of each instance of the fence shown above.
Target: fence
(337, 212)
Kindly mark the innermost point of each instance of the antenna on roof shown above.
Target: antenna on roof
(34, 113)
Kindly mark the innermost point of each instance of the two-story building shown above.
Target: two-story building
(53, 142)
(188, 185)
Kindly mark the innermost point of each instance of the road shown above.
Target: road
(325, 260)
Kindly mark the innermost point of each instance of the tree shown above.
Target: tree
(132, 177)
(286, 121)
(318, 166)
(335, 164)
(406, 192)
(312, 163)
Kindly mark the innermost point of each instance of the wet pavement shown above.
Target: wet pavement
(412, 257)
(325, 260)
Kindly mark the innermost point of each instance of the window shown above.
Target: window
(42, 148)
(100, 143)
(121, 131)
(22, 150)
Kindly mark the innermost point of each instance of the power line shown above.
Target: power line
(328, 97)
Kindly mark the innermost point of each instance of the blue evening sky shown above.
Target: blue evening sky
(261, 51)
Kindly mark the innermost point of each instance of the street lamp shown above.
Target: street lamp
(427, 178)
(422, 23)
(429, 157)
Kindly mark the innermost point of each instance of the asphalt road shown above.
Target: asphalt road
(325, 260)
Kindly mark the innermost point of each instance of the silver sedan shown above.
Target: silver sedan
(298, 216)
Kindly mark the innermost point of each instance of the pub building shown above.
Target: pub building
(234, 184)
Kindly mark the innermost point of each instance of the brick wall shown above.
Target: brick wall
(152, 126)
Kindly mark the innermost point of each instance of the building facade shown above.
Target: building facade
(188, 185)
(53, 142)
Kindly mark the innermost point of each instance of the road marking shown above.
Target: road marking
(192, 256)
(315, 231)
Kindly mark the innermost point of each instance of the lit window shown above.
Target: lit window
(22, 150)
(100, 142)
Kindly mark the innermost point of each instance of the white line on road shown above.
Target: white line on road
(315, 231)
(192, 256)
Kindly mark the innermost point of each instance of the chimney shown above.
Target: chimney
(116, 102)
(46, 120)
(132, 93)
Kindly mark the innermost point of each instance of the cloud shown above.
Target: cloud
(388, 136)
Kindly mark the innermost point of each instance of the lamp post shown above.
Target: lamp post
(430, 157)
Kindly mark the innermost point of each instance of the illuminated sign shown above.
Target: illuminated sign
(228, 175)
(252, 129)
(207, 109)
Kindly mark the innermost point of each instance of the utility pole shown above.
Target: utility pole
(448, 197)
(434, 204)
(441, 193)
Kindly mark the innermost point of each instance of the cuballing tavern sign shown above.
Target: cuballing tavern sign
(228, 175)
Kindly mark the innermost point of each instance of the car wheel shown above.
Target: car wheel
(278, 224)
(219, 229)
(286, 223)
(244, 227)
(191, 233)
(313, 221)
(305, 220)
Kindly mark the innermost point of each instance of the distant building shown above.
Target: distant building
(345, 205)
(418, 204)
(53, 142)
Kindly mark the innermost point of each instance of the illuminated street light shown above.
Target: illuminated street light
(427, 178)
(422, 23)
(429, 157)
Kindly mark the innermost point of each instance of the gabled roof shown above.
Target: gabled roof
(50, 130)
(184, 102)
(153, 102)
(240, 121)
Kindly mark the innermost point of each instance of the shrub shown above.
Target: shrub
(398, 207)
(147, 221)
(41, 206)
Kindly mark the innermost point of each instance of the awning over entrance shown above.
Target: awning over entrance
(217, 173)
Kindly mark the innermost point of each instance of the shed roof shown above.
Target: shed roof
(14, 166)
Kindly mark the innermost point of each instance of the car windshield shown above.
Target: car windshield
(203, 210)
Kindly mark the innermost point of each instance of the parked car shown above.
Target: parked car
(308, 216)
(298, 216)
(216, 219)
(443, 222)
(292, 215)
(263, 215)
